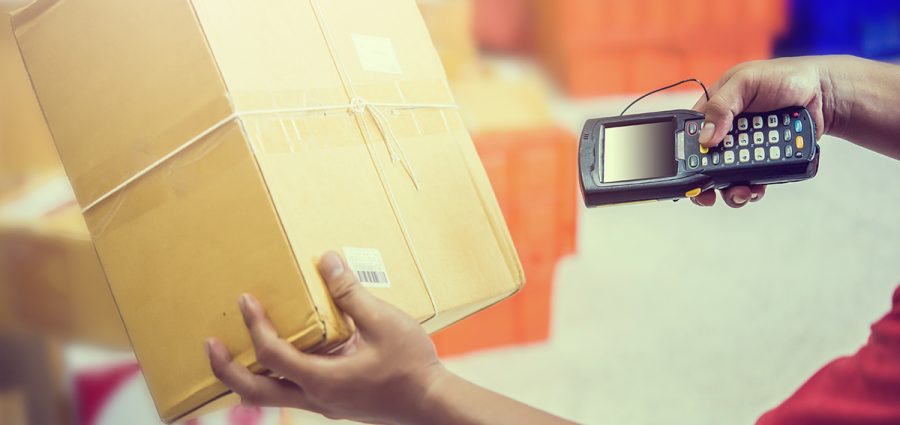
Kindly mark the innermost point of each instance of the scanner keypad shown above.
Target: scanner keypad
(751, 139)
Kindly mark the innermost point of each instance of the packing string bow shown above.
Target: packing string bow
(357, 106)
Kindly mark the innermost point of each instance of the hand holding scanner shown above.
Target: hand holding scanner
(658, 156)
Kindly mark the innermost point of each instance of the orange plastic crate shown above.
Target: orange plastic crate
(503, 25)
(596, 47)
(533, 173)
(523, 319)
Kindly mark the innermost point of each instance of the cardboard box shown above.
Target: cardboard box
(451, 25)
(221, 147)
(13, 409)
(32, 391)
(7, 318)
(25, 142)
(502, 97)
(50, 271)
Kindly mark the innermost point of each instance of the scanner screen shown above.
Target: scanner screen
(639, 152)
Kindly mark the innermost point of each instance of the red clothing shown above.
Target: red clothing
(862, 389)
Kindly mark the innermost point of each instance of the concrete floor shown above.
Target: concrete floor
(680, 315)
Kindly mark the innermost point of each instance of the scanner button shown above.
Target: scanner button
(693, 161)
(775, 152)
(742, 124)
(693, 128)
(729, 141)
(704, 149)
(704, 161)
(788, 151)
(798, 126)
(758, 138)
(693, 193)
(799, 142)
(744, 155)
(715, 158)
(743, 139)
(773, 120)
(729, 157)
(759, 154)
(774, 136)
(757, 122)
(787, 135)
(785, 119)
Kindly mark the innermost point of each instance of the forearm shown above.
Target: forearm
(455, 401)
(861, 98)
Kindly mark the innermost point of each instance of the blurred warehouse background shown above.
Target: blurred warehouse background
(632, 315)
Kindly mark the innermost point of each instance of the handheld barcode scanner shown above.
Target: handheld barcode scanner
(658, 156)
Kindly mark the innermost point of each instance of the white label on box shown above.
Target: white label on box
(41, 201)
(369, 267)
(377, 54)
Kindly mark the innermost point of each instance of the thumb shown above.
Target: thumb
(723, 106)
(348, 294)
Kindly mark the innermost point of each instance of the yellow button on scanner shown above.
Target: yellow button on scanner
(799, 143)
(694, 193)
(704, 149)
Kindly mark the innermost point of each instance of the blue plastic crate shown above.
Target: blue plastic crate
(868, 28)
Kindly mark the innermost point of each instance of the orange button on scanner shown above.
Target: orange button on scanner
(799, 143)
(694, 193)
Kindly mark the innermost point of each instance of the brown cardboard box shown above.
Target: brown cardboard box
(7, 315)
(450, 23)
(25, 143)
(13, 408)
(221, 147)
(32, 391)
(50, 271)
(502, 97)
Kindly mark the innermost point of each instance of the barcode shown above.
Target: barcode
(372, 277)
(368, 266)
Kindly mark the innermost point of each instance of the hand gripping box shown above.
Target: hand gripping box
(219, 147)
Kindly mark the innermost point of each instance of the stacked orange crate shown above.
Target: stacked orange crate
(596, 47)
(503, 25)
(533, 174)
(530, 162)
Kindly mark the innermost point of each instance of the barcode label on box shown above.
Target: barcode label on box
(369, 267)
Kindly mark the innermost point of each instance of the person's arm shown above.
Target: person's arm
(848, 97)
(389, 372)
(865, 98)
(854, 99)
